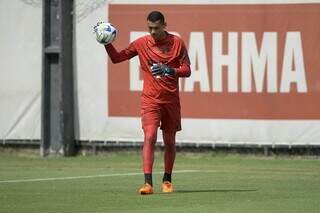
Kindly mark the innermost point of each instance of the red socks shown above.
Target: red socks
(169, 151)
(150, 138)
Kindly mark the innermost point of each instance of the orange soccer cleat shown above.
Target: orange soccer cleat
(167, 187)
(146, 189)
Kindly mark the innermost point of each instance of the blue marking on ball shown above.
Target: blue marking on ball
(108, 29)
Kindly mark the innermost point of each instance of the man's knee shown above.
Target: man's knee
(150, 134)
(169, 138)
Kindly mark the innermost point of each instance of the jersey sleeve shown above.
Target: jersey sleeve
(125, 54)
(184, 69)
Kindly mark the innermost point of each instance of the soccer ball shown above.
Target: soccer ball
(105, 32)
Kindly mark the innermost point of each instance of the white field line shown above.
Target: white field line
(87, 177)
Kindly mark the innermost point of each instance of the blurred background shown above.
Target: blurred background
(254, 84)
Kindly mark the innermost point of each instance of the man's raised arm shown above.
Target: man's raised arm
(117, 57)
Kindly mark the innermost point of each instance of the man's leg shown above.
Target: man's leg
(169, 139)
(170, 124)
(150, 119)
(150, 138)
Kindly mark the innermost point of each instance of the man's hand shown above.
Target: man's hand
(95, 27)
(162, 70)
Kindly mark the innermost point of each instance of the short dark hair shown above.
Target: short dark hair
(155, 16)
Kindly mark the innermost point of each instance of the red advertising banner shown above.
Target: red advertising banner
(248, 61)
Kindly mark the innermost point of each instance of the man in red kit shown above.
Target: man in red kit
(163, 59)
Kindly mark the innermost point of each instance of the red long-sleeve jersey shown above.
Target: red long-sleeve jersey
(170, 51)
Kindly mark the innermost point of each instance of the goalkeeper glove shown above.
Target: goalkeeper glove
(162, 70)
(95, 27)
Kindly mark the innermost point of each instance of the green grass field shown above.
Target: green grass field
(109, 183)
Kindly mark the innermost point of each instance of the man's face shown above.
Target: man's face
(156, 29)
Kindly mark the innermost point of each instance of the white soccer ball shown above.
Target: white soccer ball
(105, 32)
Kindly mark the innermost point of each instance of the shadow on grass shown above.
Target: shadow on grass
(216, 190)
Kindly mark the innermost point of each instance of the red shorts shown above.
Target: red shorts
(165, 115)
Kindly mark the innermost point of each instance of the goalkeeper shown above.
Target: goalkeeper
(163, 59)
